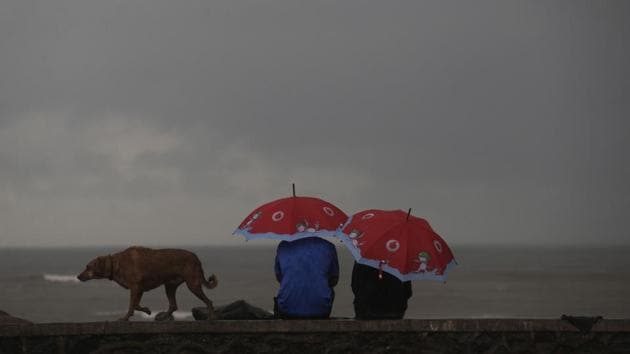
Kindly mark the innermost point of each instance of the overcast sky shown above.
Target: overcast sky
(166, 122)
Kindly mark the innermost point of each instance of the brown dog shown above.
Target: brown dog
(141, 269)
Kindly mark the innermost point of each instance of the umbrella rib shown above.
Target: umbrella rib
(446, 246)
(407, 253)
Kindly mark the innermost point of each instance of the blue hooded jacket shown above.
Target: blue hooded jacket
(307, 269)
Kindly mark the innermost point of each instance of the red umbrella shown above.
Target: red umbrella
(398, 243)
(292, 218)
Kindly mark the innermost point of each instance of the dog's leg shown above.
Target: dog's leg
(134, 300)
(142, 308)
(170, 289)
(195, 288)
(170, 294)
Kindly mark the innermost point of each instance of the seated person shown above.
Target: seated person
(307, 270)
(378, 298)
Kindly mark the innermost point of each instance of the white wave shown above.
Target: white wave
(109, 313)
(178, 315)
(61, 278)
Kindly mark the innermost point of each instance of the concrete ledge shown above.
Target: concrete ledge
(316, 336)
(306, 326)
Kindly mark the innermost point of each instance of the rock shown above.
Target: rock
(583, 323)
(200, 313)
(164, 316)
(238, 310)
(5, 318)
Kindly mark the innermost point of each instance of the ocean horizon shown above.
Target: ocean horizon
(501, 281)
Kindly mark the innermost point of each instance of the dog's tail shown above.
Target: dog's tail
(212, 282)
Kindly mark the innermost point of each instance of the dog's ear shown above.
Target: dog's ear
(92, 270)
(92, 264)
(101, 264)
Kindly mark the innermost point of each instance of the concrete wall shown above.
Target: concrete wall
(323, 336)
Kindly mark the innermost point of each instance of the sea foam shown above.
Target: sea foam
(178, 315)
(61, 278)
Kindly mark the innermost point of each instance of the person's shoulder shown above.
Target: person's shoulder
(283, 245)
(325, 243)
(321, 240)
(329, 248)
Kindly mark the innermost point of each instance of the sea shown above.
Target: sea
(40, 284)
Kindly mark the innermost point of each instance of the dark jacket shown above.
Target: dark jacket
(307, 270)
(378, 298)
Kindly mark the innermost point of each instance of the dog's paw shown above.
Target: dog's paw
(164, 316)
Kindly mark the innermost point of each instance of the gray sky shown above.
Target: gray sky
(167, 122)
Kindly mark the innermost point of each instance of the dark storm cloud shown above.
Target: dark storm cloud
(137, 121)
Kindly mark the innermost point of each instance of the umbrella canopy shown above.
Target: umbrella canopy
(398, 243)
(292, 218)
